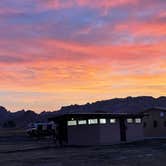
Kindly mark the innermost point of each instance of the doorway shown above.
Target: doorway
(122, 129)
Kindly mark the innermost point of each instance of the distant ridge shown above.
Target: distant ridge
(116, 105)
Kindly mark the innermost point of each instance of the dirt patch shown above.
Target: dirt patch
(24, 151)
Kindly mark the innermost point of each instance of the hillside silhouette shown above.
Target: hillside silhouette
(117, 105)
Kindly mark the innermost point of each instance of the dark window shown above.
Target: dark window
(154, 123)
(164, 123)
(144, 124)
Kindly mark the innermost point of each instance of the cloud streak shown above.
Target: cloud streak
(92, 51)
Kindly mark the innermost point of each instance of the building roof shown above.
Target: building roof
(94, 115)
(155, 109)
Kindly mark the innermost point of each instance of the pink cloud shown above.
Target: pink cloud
(91, 59)
(58, 4)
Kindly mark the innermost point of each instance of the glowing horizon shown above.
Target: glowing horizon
(55, 53)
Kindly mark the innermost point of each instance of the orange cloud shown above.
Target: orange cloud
(100, 68)
(143, 29)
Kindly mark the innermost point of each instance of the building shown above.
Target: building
(155, 123)
(99, 128)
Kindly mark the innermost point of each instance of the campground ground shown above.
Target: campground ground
(16, 149)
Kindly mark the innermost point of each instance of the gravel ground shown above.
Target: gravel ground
(23, 151)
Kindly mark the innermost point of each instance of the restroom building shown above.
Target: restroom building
(99, 128)
(154, 124)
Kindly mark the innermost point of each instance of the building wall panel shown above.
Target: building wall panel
(134, 132)
(109, 134)
(83, 135)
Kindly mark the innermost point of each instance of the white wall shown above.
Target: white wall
(102, 134)
(83, 135)
(134, 132)
(109, 134)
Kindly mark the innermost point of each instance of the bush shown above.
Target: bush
(9, 124)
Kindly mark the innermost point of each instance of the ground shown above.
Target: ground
(16, 149)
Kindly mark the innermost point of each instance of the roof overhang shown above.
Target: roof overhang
(95, 115)
(154, 109)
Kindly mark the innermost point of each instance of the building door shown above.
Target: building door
(63, 131)
(122, 130)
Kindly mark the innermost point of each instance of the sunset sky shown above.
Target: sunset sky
(62, 52)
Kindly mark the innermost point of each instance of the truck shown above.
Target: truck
(41, 129)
